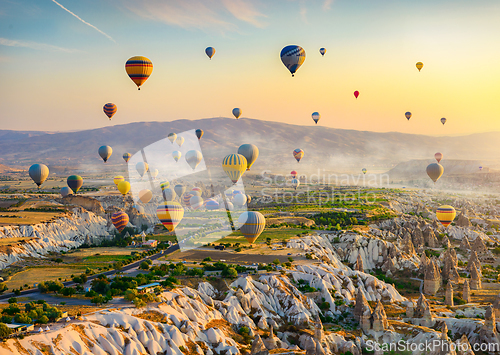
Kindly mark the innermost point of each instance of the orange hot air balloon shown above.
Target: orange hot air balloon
(356, 94)
(438, 156)
(109, 109)
(139, 69)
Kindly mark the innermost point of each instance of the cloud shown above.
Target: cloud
(85, 22)
(303, 14)
(35, 45)
(199, 14)
(327, 4)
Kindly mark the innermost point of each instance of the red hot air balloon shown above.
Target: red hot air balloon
(438, 156)
(356, 94)
(293, 173)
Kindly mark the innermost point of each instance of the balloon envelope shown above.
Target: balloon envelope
(109, 109)
(120, 220)
(168, 194)
(445, 215)
(123, 187)
(419, 65)
(438, 156)
(118, 179)
(322, 51)
(356, 94)
(154, 173)
(172, 137)
(252, 224)
(408, 115)
(316, 117)
(139, 208)
(170, 214)
(199, 133)
(65, 191)
(250, 152)
(179, 190)
(38, 173)
(164, 185)
(293, 173)
(293, 57)
(105, 152)
(195, 202)
(237, 112)
(435, 171)
(298, 154)
(240, 199)
(177, 155)
(145, 195)
(295, 183)
(193, 158)
(74, 182)
(234, 165)
(139, 69)
(210, 51)
(363, 170)
(179, 141)
(443, 120)
(141, 168)
(127, 156)
(212, 205)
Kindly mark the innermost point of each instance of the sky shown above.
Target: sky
(61, 61)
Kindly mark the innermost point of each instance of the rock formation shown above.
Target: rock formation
(430, 238)
(359, 264)
(463, 221)
(417, 238)
(407, 245)
(432, 277)
(449, 294)
(445, 242)
(423, 311)
(482, 252)
(258, 347)
(379, 318)
(473, 262)
(475, 280)
(464, 244)
(362, 311)
(88, 203)
(450, 263)
(466, 292)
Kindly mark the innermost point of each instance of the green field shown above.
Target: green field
(39, 274)
(276, 235)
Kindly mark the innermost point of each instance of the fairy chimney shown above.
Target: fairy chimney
(465, 245)
(430, 238)
(473, 262)
(445, 242)
(359, 264)
(379, 318)
(432, 278)
(407, 245)
(448, 300)
(475, 280)
(362, 311)
(466, 292)
(463, 221)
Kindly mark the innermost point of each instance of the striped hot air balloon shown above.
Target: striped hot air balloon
(298, 154)
(139, 69)
(164, 185)
(196, 190)
(120, 220)
(195, 202)
(408, 115)
(212, 205)
(127, 156)
(293, 57)
(199, 133)
(445, 215)
(117, 179)
(170, 214)
(234, 165)
(252, 224)
(109, 109)
(186, 198)
(419, 65)
(74, 182)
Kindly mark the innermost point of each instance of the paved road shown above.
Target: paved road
(107, 273)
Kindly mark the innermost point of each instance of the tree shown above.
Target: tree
(68, 291)
(144, 266)
(23, 318)
(276, 262)
(97, 300)
(4, 331)
(118, 265)
(229, 272)
(12, 309)
(139, 303)
(3, 287)
(12, 300)
(130, 295)
(43, 319)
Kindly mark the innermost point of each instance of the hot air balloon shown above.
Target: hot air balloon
(197, 190)
(164, 185)
(177, 155)
(105, 152)
(179, 190)
(139, 208)
(408, 115)
(172, 137)
(237, 112)
(435, 171)
(127, 156)
(249, 199)
(193, 158)
(445, 215)
(295, 183)
(298, 154)
(195, 202)
(168, 194)
(240, 199)
(139, 69)
(322, 51)
(145, 195)
(65, 191)
(141, 168)
(109, 109)
(293, 57)
(293, 173)
(210, 51)
(38, 173)
(419, 65)
(438, 156)
(480, 168)
(236, 192)
(212, 205)
(120, 220)
(74, 182)
(234, 165)
(179, 141)
(316, 117)
(186, 198)
(123, 187)
(363, 170)
(199, 133)
(250, 152)
(252, 224)
(356, 94)
(154, 173)
(117, 179)
(443, 120)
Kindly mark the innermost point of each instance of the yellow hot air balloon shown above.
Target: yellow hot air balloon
(139, 69)
(234, 165)
(145, 195)
(177, 155)
(445, 215)
(170, 214)
(435, 171)
(179, 141)
(419, 65)
(172, 137)
(123, 187)
(118, 179)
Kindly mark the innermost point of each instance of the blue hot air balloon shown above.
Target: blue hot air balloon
(293, 57)
(210, 51)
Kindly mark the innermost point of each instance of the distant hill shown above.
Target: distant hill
(325, 148)
(417, 168)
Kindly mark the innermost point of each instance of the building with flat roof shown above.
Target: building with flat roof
(148, 288)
